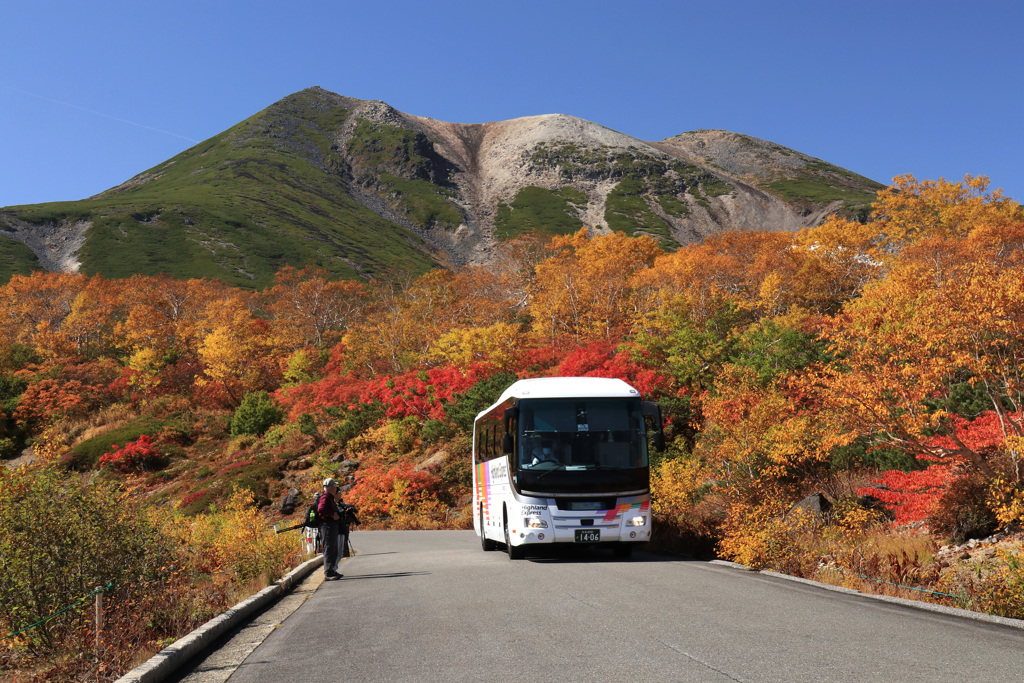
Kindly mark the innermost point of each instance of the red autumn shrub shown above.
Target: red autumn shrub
(135, 456)
(380, 492)
(911, 496)
(601, 359)
(333, 391)
(423, 394)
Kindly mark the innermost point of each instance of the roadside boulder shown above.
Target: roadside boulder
(289, 502)
(815, 504)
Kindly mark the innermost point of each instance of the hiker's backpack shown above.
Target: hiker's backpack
(313, 520)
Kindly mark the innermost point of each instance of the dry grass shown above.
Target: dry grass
(101, 421)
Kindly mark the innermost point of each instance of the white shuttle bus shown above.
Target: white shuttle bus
(564, 460)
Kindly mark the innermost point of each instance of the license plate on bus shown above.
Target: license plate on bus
(588, 535)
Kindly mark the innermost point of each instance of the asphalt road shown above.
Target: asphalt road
(432, 606)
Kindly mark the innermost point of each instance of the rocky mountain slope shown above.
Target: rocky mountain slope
(359, 188)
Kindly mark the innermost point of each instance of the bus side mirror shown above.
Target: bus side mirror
(653, 410)
(506, 441)
(510, 414)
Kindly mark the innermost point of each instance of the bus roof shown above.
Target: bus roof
(567, 387)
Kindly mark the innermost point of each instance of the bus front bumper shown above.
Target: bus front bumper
(582, 535)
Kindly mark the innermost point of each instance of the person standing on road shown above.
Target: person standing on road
(330, 516)
(348, 519)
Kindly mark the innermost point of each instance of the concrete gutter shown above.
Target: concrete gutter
(914, 604)
(162, 664)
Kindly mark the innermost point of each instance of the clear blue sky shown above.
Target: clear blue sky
(93, 93)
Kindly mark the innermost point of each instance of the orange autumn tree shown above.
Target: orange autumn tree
(167, 316)
(492, 301)
(402, 320)
(762, 444)
(501, 290)
(308, 308)
(583, 290)
(897, 352)
(760, 432)
(756, 269)
(465, 312)
(945, 322)
(90, 329)
(33, 309)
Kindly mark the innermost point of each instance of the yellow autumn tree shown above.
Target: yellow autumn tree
(237, 352)
(404, 317)
(837, 259)
(461, 347)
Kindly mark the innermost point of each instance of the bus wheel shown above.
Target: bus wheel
(514, 552)
(485, 543)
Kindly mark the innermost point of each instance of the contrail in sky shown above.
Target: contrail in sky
(99, 113)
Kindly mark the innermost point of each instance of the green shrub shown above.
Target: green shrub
(548, 212)
(862, 453)
(627, 210)
(463, 410)
(307, 424)
(253, 476)
(456, 476)
(434, 431)
(353, 423)
(256, 414)
(197, 502)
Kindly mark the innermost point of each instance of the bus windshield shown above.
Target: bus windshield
(581, 434)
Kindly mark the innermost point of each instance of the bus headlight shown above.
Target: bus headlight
(639, 520)
(535, 523)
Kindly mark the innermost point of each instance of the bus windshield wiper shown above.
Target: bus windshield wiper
(547, 472)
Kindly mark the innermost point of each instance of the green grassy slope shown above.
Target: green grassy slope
(822, 183)
(16, 259)
(548, 212)
(241, 205)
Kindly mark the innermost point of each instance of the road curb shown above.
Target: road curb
(904, 602)
(162, 664)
